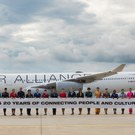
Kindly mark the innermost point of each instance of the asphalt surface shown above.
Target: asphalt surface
(68, 124)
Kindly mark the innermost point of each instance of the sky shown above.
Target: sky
(66, 35)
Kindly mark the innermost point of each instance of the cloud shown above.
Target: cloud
(63, 35)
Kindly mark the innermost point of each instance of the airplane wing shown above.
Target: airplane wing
(86, 79)
(98, 76)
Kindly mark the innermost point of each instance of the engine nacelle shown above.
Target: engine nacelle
(67, 86)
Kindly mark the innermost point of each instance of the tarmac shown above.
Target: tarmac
(67, 124)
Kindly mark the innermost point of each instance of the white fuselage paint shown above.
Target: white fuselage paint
(122, 80)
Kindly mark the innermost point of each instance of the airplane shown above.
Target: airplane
(114, 79)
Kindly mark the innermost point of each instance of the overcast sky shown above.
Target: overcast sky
(66, 35)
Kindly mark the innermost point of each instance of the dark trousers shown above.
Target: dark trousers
(72, 111)
(80, 111)
(63, 111)
(13, 111)
(21, 110)
(88, 110)
(105, 109)
(122, 110)
(4, 110)
(114, 110)
(54, 111)
(37, 111)
(28, 111)
(45, 110)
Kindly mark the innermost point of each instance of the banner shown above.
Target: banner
(66, 103)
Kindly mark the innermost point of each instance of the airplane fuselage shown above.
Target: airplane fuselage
(122, 80)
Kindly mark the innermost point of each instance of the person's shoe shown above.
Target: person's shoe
(72, 113)
(21, 114)
(37, 114)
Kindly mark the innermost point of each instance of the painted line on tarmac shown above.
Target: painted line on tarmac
(56, 126)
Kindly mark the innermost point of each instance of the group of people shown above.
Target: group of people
(71, 94)
(114, 95)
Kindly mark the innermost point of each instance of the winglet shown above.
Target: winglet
(119, 68)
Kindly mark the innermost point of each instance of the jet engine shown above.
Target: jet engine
(67, 86)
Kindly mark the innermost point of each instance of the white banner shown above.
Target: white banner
(66, 103)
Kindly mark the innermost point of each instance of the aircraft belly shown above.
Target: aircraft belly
(111, 85)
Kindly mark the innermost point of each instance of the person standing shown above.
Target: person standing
(72, 94)
(45, 95)
(54, 94)
(37, 95)
(80, 95)
(130, 95)
(5, 94)
(106, 94)
(88, 94)
(63, 95)
(122, 95)
(97, 95)
(114, 95)
(21, 94)
(13, 95)
(29, 95)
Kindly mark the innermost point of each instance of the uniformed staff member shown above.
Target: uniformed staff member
(106, 94)
(29, 95)
(13, 95)
(5, 94)
(37, 95)
(54, 94)
(130, 95)
(122, 95)
(97, 95)
(21, 94)
(63, 95)
(45, 95)
(72, 94)
(114, 95)
(80, 95)
(88, 94)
